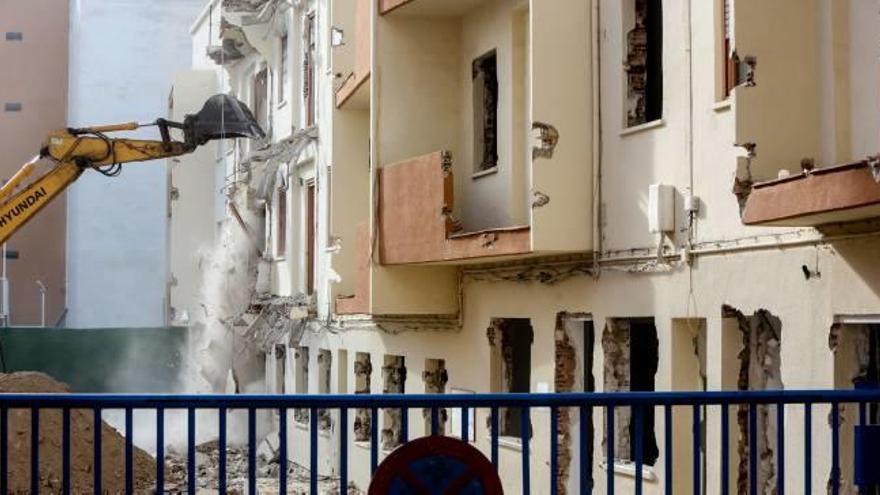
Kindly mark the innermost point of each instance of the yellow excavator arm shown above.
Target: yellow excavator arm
(73, 151)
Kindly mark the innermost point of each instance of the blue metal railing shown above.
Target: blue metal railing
(584, 404)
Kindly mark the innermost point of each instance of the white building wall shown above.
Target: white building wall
(123, 57)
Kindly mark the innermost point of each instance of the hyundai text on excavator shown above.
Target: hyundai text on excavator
(73, 151)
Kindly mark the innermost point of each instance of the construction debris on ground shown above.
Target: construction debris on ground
(81, 445)
(268, 466)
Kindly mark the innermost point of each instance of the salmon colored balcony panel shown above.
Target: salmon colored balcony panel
(843, 193)
(359, 302)
(415, 197)
(386, 6)
(354, 92)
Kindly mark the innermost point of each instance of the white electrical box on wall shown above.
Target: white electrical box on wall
(661, 208)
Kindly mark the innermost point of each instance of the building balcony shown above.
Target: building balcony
(843, 193)
(355, 89)
(416, 223)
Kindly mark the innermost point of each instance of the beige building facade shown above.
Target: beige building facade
(554, 195)
(34, 84)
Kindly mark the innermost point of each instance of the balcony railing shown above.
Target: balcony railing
(584, 404)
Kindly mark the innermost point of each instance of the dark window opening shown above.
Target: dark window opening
(644, 64)
(310, 238)
(261, 98)
(14, 36)
(284, 72)
(280, 221)
(484, 72)
(12, 107)
(726, 55)
(309, 70)
(516, 350)
(644, 356)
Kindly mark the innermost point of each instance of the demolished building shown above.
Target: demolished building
(489, 196)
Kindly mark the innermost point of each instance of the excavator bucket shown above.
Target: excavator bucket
(222, 117)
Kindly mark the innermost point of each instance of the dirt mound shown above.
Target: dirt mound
(81, 444)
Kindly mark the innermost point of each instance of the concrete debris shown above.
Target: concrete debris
(284, 151)
(268, 470)
(280, 319)
(250, 6)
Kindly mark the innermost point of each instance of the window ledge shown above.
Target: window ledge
(654, 124)
(627, 468)
(483, 173)
(723, 105)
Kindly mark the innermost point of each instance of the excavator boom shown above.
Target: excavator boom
(73, 151)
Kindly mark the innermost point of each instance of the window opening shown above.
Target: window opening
(309, 70)
(644, 63)
(284, 72)
(310, 238)
(281, 221)
(484, 72)
(631, 352)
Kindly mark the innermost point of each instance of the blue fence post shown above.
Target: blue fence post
(808, 448)
(835, 449)
(725, 450)
(639, 419)
(252, 450)
(282, 451)
(404, 425)
(98, 449)
(465, 427)
(667, 433)
(129, 451)
(780, 449)
(160, 450)
(525, 435)
(65, 452)
(554, 449)
(753, 449)
(493, 434)
(343, 451)
(313, 451)
(191, 450)
(221, 475)
(435, 421)
(374, 439)
(609, 448)
(35, 450)
(586, 449)
(696, 446)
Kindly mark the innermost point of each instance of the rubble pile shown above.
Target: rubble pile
(81, 445)
(207, 469)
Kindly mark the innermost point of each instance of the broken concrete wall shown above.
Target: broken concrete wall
(363, 421)
(616, 347)
(435, 377)
(393, 382)
(760, 369)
